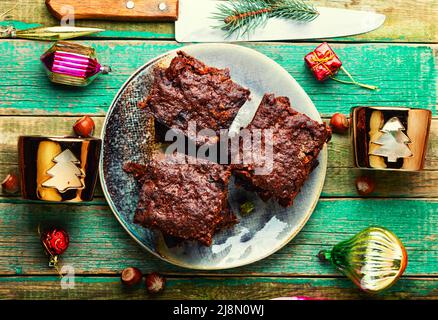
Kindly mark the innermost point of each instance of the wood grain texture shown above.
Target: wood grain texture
(407, 21)
(97, 288)
(110, 10)
(340, 177)
(406, 76)
(99, 245)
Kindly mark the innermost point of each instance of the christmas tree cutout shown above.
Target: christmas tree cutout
(393, 142)
(65, 174)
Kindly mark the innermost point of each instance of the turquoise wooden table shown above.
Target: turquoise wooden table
(401, 58)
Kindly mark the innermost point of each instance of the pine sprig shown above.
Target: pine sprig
(244, 16)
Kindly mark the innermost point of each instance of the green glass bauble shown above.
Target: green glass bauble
(373, 259)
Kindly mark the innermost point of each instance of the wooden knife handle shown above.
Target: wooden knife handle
(126, 10)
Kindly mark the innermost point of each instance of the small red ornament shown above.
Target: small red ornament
(55, 241)
(323, 62)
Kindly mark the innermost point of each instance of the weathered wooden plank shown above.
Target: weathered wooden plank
(340, 176)
(406, 76)
(246, 288)
(340, 182)
(99, 245)
(340, 149)
(407, 21)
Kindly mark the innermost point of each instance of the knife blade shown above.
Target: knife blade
(198, 25)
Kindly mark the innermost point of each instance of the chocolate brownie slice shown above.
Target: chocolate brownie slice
(187, 201)
(296, 142)
(189, 91)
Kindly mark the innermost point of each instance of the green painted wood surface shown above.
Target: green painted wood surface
(407, 21)
(100, 248)
(99, 245)
(406, 76)
(339, 181)
(48, 287)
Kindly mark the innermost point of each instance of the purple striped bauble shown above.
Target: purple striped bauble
(72, 64)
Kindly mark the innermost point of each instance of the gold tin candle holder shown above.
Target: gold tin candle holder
(59, 169)
(390, 138)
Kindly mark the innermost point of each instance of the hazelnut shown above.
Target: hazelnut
(365, 185)
(339, 123)
(84, 127)
(131, 276)
(11, 184)
(155, 282)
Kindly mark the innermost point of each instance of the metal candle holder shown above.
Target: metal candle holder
(59, 169)
(390, 138)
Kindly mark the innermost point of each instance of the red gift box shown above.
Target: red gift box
(323, 62)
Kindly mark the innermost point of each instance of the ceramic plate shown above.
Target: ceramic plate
(258, 235)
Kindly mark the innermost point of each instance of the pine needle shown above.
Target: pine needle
(241, 17)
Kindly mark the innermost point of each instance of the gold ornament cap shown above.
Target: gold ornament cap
(390, 138)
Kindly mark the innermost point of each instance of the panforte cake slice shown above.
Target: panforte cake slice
(188, 91)
(187, 201)
(296, 143)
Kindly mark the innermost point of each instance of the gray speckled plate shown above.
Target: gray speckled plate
(259, 234)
